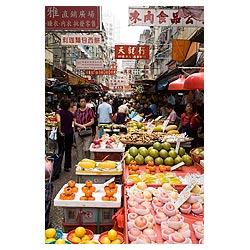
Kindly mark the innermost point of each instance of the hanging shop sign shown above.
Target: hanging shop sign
(100, 72)
(132, 52)
(89, 64)
(75, 39)
(162, 17)
(73, 18)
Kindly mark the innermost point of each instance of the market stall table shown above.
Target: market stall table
(98, 176)
(90, 211)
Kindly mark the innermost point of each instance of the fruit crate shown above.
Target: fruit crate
(113, 156)
(88, 215)
(188, 218)
(67, 227)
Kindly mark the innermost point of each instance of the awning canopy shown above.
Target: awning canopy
(195, 81)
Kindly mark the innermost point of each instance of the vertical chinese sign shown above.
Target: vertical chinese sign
(132, 52)
(73, 18)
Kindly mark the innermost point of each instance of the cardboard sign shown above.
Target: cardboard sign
(177, 166)
(185, 193)
(164, 125)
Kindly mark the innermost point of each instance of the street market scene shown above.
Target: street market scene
(124, 125)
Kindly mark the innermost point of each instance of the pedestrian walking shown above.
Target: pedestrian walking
(64, 119)
(105, 116)
(83, 120)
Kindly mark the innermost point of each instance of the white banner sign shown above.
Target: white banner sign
(78, 39)
(160, 17)
(89, 64)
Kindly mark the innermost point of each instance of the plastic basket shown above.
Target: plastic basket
(88, 232)
(195, 157)
(120, 236)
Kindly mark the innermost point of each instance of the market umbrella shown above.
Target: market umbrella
(195, 81)
(177, 84)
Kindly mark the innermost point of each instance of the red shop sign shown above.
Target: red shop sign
(72, 18)
(132, 52)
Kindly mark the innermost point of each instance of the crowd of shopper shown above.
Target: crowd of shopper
(185, 111)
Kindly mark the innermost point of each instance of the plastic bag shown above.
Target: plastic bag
(53, 134)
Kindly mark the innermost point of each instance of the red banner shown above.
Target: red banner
(100, 72)
(132, 52)
(84, 18)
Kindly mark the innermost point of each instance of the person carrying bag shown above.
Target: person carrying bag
(84, 134)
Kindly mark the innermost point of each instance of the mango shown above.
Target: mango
(107, 164)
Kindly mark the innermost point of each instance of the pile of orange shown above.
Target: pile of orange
(110, 190)
(133, 168)
(88, 189)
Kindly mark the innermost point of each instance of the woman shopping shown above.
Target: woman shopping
(64, 119)
(84, 131)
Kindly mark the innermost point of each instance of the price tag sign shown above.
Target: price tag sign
(178, 142)
(185, 193)
(164, 125)
(150, 129)
(158, 118)
(177, 166)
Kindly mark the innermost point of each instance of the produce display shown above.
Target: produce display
(159, 153)
(50, 120)
(107, 142)
(89, 195)
(91, 164)
(152, 215)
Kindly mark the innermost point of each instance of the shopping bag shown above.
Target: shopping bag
(53, 134)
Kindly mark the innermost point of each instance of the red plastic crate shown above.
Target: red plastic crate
(93, 227)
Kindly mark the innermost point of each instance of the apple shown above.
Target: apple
(143, 239)
(159, 209)
(96, 146)
(185, 205)
(185, 232)
(174, 195)
(141, 207)
(132, 216)
(159, 204)
(135, 231)
(168, 230)
(139, 195)
(195, 205)
(96, 141)
(108, 146)
(199, 232)
(149, 217)
(150, 225)
(177, 238)
(170, 206)
(174, 218)
(185, 208)
(133, 203)
(148, 231)
(140, 222)
(201, 241)
(160, 215)
(169, 209)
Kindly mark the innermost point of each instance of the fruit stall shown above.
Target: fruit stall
(151, 175)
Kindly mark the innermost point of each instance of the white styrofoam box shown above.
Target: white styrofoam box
(117, 148)
(98, 202)
(88, 215)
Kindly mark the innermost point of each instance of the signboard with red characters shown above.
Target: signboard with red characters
(100, 72)
(163, 17)
(73, 18)
(132, 52)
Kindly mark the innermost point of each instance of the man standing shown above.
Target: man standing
(104, 112)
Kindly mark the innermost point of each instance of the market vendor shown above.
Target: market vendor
(171, 114)
(146, 112)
